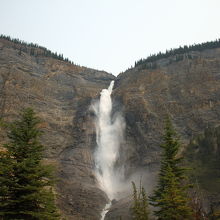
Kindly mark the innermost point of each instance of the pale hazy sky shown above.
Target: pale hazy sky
(110, 34)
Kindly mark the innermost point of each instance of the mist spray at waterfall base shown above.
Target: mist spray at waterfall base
(109, 136)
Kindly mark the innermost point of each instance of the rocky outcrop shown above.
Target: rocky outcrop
(61, 94)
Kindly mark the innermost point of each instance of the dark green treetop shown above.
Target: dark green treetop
(139, 209)
(25, 183)
(170, 197)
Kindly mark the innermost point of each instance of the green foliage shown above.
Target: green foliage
(25, 183)
(178, 53)
(140, 207)
(203, 155)
(170, 195)
(34, 49)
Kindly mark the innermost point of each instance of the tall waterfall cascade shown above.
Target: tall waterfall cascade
(109, 136)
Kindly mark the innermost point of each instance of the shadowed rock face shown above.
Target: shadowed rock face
(187, 90)
(61, 94)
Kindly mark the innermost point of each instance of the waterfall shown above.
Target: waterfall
(109, 135)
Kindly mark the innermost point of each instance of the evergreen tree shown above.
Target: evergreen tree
(25, 183)
(170, 195)
(140, 206)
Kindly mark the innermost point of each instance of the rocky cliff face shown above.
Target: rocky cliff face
(188, 90)
(61, 94)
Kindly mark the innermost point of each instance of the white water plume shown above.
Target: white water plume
(109, 135)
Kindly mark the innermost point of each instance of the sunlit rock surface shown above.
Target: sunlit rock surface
(61, 94)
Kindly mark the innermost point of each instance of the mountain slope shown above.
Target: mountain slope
(187, 89)
(61, 94)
